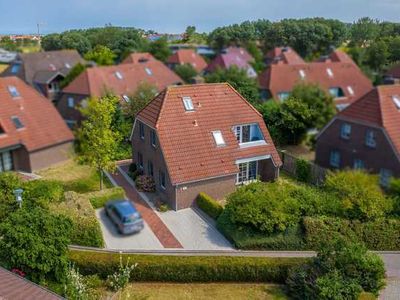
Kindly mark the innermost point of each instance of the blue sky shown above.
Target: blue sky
(21, 16)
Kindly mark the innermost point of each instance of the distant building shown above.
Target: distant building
(122, 80)
(33, 136)
(392, 76)
(337, 74)
(366, 135)
(44, 70)
(171, 37)
(138, 57)
(233, 56)
(187, 56)
(202, 138)
(7, 57)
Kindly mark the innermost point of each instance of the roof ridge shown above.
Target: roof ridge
(244, 99)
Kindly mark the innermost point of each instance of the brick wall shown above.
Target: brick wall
(46, 157)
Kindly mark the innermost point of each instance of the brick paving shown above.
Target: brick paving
(161, 231)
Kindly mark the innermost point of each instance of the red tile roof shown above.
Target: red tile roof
(95, 81)
(188, 56)
(378, 108)
(284, 55)
(43, 126)
(394, 71)
(138, 57)
(186, 137)
(278, 78)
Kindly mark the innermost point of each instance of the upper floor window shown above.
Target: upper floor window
(71, 102)
(150, 168)
(334, 159)
(218, 138)
(141, 130)
(153, 138)
(336, 92)
(140, 160)
(345, 131)
(162, 179)
(188, 103)
(358, 164)
(248, 133)
(17, 122)
(13, 91)
(384, 177)
(282, 96)
(370, 138)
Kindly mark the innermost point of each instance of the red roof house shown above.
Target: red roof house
(138, 57)
(187, 56)
(365, 135)
(283, 55)
(32, 133)
(191, 140)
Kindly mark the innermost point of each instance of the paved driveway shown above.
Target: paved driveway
(145, 239)
(392, 264)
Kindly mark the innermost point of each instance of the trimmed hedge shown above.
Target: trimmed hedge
(99, 199)
(381, 234)
(188, 268)
(209, 205)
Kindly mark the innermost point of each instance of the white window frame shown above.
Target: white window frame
(350, 90)
(358, 164)
(343, 132)
(247, 180)
(334, 163)
(302, 74)
(329, 72)
(218, 138)
(239, 136)
(282, 96)
(370, 140)
(161, 173)
(119, 75)
(126, 98)
(148, 71)
(188, 103)
(153, 138)
(396, 101)
(140, 160)
(384, 177)
(13, 91)
(141, 130)
(71, 102)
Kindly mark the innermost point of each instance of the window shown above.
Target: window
(340, 107)
(126, 98)
(350, 89)
(17, 122)
(334, 159)
(71, 102)
(336, 92)
(247, 172)
(118, 75)
(2, 131)
(15, 68)
(358, 164)
(153, 138)
(54, 86)
(218, 138)
(384, 177)
(370, 139)
(52, 67)
(141, 130)
(187, 102)
(248, 133)
(140, 160)
(329, 71)
(282, 96)
(150, 168)
(302, 74)
(6, 162)
(345, 131)
(148, 71)
(162, 179)
(396, 100)
(13, 91)
(67, 65)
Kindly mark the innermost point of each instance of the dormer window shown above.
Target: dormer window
(126, 98)
(67, 65)
(218, 138)
(250, 133)
(336, 92)
(302, 74)
(329, 72)
(148, 71)
(17, 122)
(13, 91)
(188, 103)
(119, 75)
(396, 100)
(351, 91)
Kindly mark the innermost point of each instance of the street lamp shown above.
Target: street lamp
(18, 196)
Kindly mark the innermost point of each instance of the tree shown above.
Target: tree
(160, 49)
(363, 31)
(36, 242)
(186, 72)
(377, 55)
(189, 32)
(257, 54)
(75, 40)
(144, 93)
(75, 72)
(51, 42)
(101, 55)
(239, 80)
(98, 142)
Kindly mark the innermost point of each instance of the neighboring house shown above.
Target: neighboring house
(33, 136)
(233, 56)
(44, 70)
(337, 74)
(138, 57)
(392, 76)
(366, 135)
(202, 138)
(283, 55)
(122, 80)
(14, 287)
(187, 56)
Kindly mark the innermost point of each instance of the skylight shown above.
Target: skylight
(13, 91)
(126, 98)
(218, 138)
(350, 89)
(52, 67)
(148, 71)
(187, 102)
(17, 122)
(119, 75)
(302, 74)
(396, 100)
(329, 71)
(67, 65)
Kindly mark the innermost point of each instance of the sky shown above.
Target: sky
(172, 16)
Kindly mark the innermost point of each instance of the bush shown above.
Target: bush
(303, 170)
(43, 192)
(145, 183)
(209, 205)
(99, 199)
(8, 183)
(187, 268)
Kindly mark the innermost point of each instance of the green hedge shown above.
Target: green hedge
(99, 199)
(381, 234)
(187, 268)
(209, 205)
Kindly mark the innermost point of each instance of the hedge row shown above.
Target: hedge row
(98, 199)
(209, 205)
(187, 268)
(381, 234)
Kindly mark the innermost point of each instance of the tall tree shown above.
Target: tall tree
(186, 72)
(144, 93)
(101, 55)
(98, 141)
(363, 31)
(160, 49)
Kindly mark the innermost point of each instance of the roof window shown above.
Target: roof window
(119, 75)
(396, 100)
(52, 67)
(330, 72)
(67, 65)
(126, 98)
(188, 103)
(350, 89)
(302, 74)
(148, 71)
(218, 138)
(17, 122)
(13, 91)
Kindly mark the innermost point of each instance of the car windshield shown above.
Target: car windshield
(132, 218)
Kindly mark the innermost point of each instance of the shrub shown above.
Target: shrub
(135, 174)
(303, 170)
(145, 183)
(43, 192)
(120, 278)
(75, 287)
(8, 183)
(209, 205)
(99, 199)
(188, 268)
(360, 194)
(163, 207)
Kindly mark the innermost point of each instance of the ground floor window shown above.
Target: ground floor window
(384, 177)
(247, 172)
(162, 179)
(6, 163)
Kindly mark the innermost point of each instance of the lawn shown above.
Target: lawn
(200, 291)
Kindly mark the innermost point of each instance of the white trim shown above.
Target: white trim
(252, 144)
(250, 159)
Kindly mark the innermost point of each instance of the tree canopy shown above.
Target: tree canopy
(101, 55)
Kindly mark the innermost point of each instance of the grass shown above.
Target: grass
(200, 291)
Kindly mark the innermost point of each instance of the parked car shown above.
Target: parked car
(125, 216)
